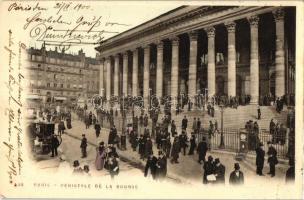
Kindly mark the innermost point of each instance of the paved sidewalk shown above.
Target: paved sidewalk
(188, 170)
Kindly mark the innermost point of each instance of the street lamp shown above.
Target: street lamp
(222, 144)
(123, 113)
(149, 107)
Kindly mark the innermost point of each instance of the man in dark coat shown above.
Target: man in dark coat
(272, 159)
(146, 120)
(141, 147)
(173, 128)
(161, 166)
(175, 150)
(202, 150)
(290, 173)
(97, 129)
(54, 145)
(148, 147)
(236, 177)
(208, 169)
(183, 139)
(83, 146)
(219, 171)
(259, 112)
(184, 123)
(260, 157)
(112, 136)
(198, 128)
(133, 140)
(151, 165)
(192, 145)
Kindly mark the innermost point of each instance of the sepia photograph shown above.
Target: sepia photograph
(138, 99)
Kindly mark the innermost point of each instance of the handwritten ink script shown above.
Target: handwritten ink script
(58, 25)
(13, 144)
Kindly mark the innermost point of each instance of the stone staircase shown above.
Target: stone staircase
(234, 118)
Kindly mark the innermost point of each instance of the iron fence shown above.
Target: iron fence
(231, 141)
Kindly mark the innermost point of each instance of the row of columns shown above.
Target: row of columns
(193, 36)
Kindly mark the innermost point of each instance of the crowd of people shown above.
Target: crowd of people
(169, 143)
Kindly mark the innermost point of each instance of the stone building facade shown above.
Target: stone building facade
(58, 76)
(212, 50)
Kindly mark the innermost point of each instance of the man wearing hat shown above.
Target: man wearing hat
(151, 166)
(202, 150)
(161, 166)
(77, 168)
(219, 171)
(260, 157)
(272, 158)
(83, 146)
(236, 177)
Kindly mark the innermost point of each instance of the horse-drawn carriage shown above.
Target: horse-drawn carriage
(41, 134)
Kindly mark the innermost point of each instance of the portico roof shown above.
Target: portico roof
(177, 21)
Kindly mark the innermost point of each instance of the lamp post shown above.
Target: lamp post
(123, 113)
(222, 144)
(149, 107)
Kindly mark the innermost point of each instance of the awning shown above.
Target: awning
(60, 98)
(33, 96)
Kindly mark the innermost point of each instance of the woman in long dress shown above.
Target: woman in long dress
(100, 156)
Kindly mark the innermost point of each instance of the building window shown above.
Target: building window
(38, 91)
(55, 76)
(48, 85)
(61, 69)
(39, 65)
(80, 71)
(55, 84)
(61, 85)
(68, 86)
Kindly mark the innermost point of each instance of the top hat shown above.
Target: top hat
(217, 160)
(236, 166)
(76, 163)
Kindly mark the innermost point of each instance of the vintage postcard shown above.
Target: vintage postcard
(151, 99)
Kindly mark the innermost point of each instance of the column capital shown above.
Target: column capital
(159, 44)
(146, 47)
(135, 50)
(116, 55)
(230, 27)
(193, 35)
(125, 54)
(253, 21)
(278, 14)
(174, 40)
(210, 32)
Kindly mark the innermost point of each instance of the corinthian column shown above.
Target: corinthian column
(174, 67)
(116, 75)
(231, 59)
(146, 74)
(159, 69)
(108, 68)
(125, 74)
(101, 78)
(254, 59)
(135, 73)
(211, 61)
(192, 64)
(280, 53)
